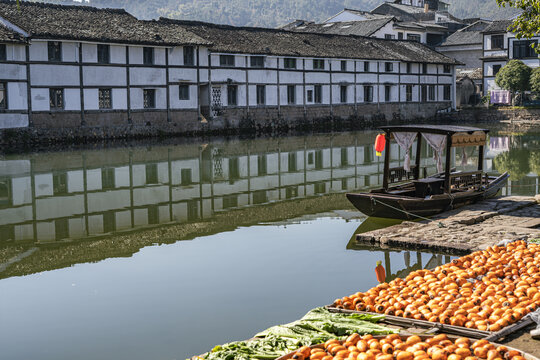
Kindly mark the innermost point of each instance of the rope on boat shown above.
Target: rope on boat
(440, 224)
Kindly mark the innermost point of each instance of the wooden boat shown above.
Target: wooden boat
(405, 195)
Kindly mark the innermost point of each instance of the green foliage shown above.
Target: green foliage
(534, 162)
(273, 13)
(514, 76)
(535, 80)
(526, 25)
(515, 161)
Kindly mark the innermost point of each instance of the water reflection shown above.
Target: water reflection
(49, 197)
(55, 198)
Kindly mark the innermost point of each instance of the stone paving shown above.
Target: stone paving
(469, 228)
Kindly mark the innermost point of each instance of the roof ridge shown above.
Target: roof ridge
(62, 6)
(285, 31)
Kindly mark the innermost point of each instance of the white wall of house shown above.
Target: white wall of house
(469, 55)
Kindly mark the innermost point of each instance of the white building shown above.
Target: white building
(500, 46)
(103, 68)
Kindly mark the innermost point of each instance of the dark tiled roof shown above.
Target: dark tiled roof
(362, 28)
(10, 36)
(474, 73)
(469, 35)
(50, 21)
(498, 26)
(250, 40)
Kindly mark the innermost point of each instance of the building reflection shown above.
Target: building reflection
(57, 196)
(49, 197)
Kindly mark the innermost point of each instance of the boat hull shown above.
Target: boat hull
(410, 208)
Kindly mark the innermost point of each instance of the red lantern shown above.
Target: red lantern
(380, 142)
(380, 272)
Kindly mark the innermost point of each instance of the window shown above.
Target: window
(409, 68)
(424, 69)
(230, 201)
(261, 94)
(423, 93)
(183, 92)
(368, 93)
(408, 92)
(343, 65)
(289, 63)
(234, 169)
(496, 69)
(148, 56)
(3, 96)
(189, 55)
(3, 52)
(446, 92)
(109, 222)
(366, 66)
(259, 197)
(55, 50)
(56, 98)
(103, 54)
(61, 229)
(232, 95)
(388, 67)
(400, 36)
(344, 157)
(107, 178)
(497, 41)
(522, 49)
(447, 69)
(262, 168)
(389, 36)
(153, 214)
(226, 60)
(291, 192)
(185, 177)
(318, 64)
(292, 162)
(256, 61)
(387, 93)
(310, 96)
(318, 93)
(413, 37)
(343, 93)
(151, 174)
(431, 92)
(105, 98)
(60, 183)
(291, 94)
(149, 98)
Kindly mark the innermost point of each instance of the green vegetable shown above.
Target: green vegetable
(315, 327)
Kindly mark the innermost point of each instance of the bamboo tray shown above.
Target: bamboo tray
(449, 329)
(527, 356)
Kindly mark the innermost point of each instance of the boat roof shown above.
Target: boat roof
(432, 129)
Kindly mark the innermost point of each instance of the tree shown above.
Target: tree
(515, 161)
(535, 80)
(514, 76)
(527, 24)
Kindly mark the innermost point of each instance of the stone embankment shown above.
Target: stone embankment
(470, 228)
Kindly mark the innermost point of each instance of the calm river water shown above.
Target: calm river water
(161, 251)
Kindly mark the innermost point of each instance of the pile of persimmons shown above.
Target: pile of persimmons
(485, 290)
(396, 347)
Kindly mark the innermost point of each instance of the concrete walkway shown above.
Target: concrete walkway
(469, 228)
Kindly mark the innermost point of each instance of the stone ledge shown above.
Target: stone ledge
(466, 229)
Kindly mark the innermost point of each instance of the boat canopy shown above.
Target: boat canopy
(439, 137)
(459, 136)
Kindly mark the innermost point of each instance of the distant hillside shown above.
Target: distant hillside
(273, 13)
